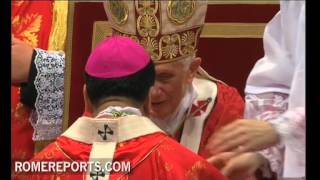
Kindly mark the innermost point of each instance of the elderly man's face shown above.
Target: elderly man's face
(170, 87)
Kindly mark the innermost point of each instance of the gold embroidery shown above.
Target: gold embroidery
(151, 45)
(159, 161)
(119, 12)
(166, 47)
(167, 147)
(168, 167)
(180, 11)
(147, 22)
(146, 7)
(148, 25)
(135, 38)
(188, 43)
(171, 47)
(27, 28)
(193, 172)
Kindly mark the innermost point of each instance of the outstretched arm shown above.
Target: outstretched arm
(41, 76)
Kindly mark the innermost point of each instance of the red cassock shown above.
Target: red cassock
(153, 156)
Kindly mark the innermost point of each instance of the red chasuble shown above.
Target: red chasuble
(152, 156)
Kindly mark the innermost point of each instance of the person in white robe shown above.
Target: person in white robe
(273, 131)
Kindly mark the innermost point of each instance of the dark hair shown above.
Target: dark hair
(135, 87)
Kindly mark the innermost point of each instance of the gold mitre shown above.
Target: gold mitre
(168, 30)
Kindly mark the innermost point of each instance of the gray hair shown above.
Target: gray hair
(186, 62)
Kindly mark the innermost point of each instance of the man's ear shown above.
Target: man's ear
(87, 103)
(193, 68)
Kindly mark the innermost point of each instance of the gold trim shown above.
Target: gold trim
(233, 30)
(213, 2)
(62, 151)
(68, 62)
(147, 22)
(210, 30)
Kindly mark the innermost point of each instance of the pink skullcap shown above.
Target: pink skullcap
(115, 57)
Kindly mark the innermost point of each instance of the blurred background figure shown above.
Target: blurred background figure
(275, 105)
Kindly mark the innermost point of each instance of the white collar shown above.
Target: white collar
(119, 111)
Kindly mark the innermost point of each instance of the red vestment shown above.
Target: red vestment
(228, 107)
(153, 156)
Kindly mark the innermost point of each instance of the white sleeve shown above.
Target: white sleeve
(47, 117)
(282, 70)
(274, 71)
(267, 107)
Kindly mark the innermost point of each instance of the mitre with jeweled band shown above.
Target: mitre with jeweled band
(168, 30)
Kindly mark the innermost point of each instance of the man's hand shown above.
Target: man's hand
(220, 160)
(21, 54)
(243, 136)
(238, 166)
